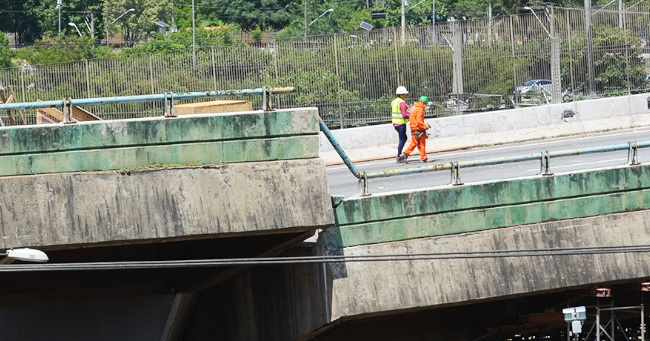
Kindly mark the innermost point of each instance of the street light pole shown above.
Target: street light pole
(77, 28)
(112, 22)
(320, 16)
(58, 6)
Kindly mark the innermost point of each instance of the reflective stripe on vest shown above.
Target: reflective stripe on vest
(396, 112)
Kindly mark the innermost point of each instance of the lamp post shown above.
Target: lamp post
(365, 42)
(26, 255)
(320, 16)
(112, 22)
(75, 26)
(58, 7)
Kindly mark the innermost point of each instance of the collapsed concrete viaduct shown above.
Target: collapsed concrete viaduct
(250, 185)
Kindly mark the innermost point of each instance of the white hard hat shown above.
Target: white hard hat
(401, 91)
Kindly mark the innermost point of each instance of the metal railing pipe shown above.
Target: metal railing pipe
(503, 160)
(338, 148)
(406, 171)
(147, 98)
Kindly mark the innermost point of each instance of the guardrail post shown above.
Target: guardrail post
(169, 104)
(363, 185)
(633, 154)
(266, 100)
(455, 174)
(67, 110)
(545, 164)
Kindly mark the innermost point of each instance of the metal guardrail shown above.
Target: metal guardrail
(167, 97)
(455, 166)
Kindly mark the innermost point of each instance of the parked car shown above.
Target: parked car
(535, 85)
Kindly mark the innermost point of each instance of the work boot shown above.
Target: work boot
(398, 160)
(404, 158)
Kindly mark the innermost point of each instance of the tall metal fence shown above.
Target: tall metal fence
(463, 66)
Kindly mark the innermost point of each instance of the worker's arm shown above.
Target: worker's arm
(404, 108)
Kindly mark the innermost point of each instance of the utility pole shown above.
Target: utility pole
(556, 72)
(433, 23)
(193, 37)
(620, 14)
(305, 38)
(107, 25)
(403, 23)
(173, 17)
(590, 50)
(489, 24)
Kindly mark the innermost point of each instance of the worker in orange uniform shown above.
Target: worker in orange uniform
(418, 130)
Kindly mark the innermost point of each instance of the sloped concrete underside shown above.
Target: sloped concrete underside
(67, 210)
(299, 302)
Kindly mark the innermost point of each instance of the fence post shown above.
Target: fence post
(623, 16)
(457, 60)
(338, 81)
(22, 82)
(214, 69)
(568, 33)
(151, 73)
(87, 78)
(556, 72)
(399, 82)
(556, 78)
(514, 60)
(277, 70)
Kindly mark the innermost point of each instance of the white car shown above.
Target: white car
(535, 85)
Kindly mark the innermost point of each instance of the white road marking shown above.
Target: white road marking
(577, 164)
(516, 145)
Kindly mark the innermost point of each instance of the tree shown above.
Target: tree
(22, 18)
(137, 24)
(5, 51)
(251, 14)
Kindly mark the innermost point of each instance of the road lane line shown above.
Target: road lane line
(578, 164)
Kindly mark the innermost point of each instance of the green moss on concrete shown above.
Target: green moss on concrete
(157, 130)
(205, 153)
(489, 218)
(500, 193)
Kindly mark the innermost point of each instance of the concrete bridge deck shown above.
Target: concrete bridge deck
(250, 185)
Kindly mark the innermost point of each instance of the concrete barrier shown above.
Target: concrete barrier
(501, 126)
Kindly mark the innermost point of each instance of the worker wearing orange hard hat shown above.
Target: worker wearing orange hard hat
(418, 130)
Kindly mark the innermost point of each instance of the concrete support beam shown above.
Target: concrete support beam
(189, 140)
(456, 209)
(64, 210)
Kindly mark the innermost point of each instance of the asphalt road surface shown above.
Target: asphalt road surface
(342, 182)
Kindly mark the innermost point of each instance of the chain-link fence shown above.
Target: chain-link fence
(463, 67)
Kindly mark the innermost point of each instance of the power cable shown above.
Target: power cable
(203, 263)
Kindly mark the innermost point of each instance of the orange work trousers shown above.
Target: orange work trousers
(420, 143)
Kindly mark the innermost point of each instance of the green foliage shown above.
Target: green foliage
(70, 48)
(611, 63)
(5, 51)
(137, 24)
(256, 35)
(251, 14)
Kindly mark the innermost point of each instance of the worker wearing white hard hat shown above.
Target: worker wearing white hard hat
(400, 117)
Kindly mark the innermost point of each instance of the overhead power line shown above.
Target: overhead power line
(204, 263)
